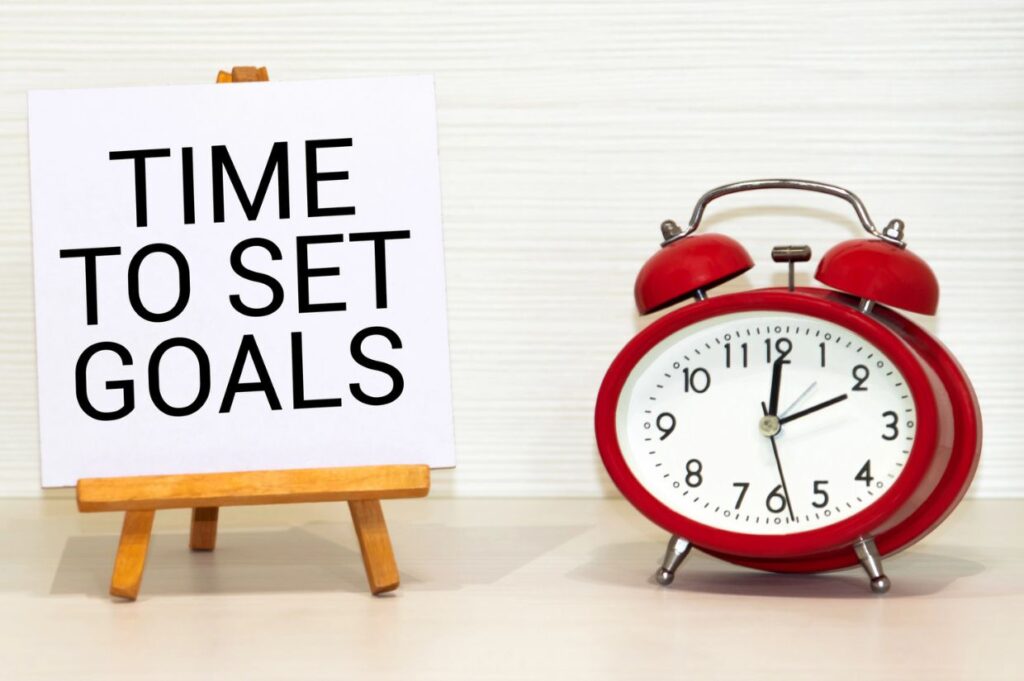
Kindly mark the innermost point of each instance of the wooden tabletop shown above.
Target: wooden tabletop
(493, 589)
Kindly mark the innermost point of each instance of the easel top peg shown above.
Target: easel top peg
(244, 74)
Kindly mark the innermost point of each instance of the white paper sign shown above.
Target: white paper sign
(239, 277)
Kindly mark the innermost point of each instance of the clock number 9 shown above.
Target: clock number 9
(666, 423)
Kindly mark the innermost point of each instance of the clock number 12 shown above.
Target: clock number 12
(783, 346)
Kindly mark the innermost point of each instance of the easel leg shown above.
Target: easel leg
(203, 536)
(131, 554)
(378, 558)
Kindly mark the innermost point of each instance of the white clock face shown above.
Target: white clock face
(692, 424)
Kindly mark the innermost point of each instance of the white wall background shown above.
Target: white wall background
(568, 132)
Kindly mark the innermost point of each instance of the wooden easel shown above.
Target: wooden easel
(140, 497)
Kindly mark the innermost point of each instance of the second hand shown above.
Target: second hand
(797, 401)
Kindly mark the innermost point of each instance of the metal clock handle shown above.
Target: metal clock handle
(891, 233)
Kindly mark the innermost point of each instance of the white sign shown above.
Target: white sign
(239, 277)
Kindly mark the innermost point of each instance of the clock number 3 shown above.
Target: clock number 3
(891, 426)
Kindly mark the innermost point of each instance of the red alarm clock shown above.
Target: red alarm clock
(788, 429)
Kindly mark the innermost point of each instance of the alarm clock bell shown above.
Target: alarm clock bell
(872, 269)
(687, 267)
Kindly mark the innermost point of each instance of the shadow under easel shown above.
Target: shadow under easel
(913, 573)
(309, 559)
(291, 559)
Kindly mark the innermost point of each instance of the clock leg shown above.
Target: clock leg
(869, 557)
(674, 555)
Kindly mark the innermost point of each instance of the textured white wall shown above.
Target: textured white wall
(568, 132)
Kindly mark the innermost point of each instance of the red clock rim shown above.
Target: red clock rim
(758, 545)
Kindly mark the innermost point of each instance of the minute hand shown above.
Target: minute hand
(773, 398)
(811, 410)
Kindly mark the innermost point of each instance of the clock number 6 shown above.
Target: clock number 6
(782, 501)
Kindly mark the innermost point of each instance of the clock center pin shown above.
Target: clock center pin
(769, 425)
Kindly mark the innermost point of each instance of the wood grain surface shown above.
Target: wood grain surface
(496, 590)
(568, 131)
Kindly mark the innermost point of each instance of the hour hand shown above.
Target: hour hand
(811, 410)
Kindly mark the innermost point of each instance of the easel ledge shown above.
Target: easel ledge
(141, 497)
(154, 492)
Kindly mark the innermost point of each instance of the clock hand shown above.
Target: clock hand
(797, 401)
(778, 464)
(811, 410)
(773, 400)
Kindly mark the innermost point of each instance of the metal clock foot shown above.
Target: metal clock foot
(869, 557)
(674, 555)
